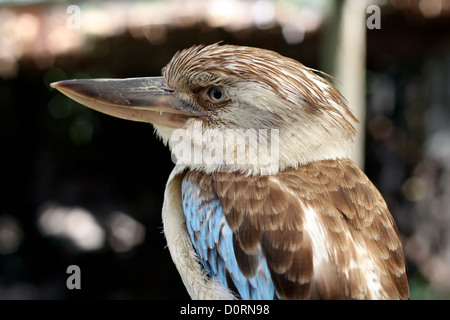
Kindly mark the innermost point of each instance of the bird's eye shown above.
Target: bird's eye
(215, 94)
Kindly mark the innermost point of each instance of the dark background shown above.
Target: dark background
(60, 157)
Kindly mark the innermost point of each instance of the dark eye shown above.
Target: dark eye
(215, 94)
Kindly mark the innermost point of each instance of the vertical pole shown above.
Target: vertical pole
(344, 57)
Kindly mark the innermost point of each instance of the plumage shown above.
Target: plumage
(215, 243)
(310, 230)
(307, 224)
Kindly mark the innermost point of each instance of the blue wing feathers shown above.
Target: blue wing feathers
(212, 239)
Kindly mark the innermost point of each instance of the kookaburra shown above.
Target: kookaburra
(302, 223)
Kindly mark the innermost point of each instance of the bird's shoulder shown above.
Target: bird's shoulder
(319, 227)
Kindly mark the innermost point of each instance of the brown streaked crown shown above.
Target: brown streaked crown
(227, 65)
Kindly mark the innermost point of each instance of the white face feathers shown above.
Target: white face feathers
(259, 98)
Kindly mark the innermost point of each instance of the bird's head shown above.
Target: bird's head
(223, 107)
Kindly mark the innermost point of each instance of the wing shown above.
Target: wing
(319, 231)
(215, 242)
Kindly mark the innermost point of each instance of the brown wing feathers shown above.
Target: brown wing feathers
(268, 212)
(353, 211)
(262, 216)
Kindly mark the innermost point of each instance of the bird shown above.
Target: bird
(304, 222)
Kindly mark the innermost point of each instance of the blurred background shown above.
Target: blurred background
(83, 188)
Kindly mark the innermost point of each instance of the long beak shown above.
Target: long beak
(138, 99)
